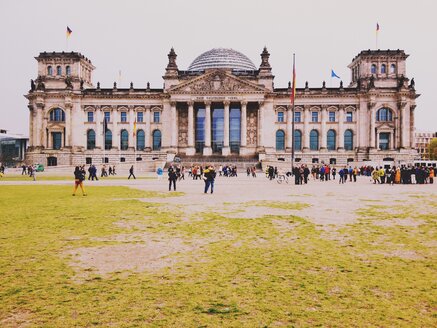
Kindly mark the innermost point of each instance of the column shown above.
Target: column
(306, 130)
(115, 134)
(372, 129)
(31, 124)
(132, 139)
(412, 125)
(243, 125)
(341, 128)
(260, 125)
(207, 150)
(391, 141)
(226, 150)
(147, 132)
(38, 127)
(289, 132)
(174, 125)
(44, 133)
(191, 150)
(324, 132)
(99, 128)
(358, 127)
(405, 125)
(68, 127)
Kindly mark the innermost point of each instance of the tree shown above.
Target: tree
(432, 148)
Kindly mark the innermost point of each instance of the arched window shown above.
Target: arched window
(68, 70)
(348, 140)
(297, 140)
(90, 139)
(124, 140)
(392, 68)
(280, 140)
(58, 70)
(383, 69)
(384, 115)
(314, 140)
(373, 69)
(331, 145)
(49, 70)
(140, 140)
(156, 140)
(108, 139)
(57, 115)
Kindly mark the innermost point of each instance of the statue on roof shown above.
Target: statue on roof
(32, 85)
(412, 84)
(371, 82)
(81, 84)
(68, 83)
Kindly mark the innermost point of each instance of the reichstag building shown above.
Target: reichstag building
(221, 106)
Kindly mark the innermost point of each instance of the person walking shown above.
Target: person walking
(172, 177)
(79, 177)
(209, 177)
(131, 173)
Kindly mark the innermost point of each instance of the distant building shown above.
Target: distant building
(422, 140)
(12, 147)
(221, 106)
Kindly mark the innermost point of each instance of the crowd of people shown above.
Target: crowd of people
(206, 173)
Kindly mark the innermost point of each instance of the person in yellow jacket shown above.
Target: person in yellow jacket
(431, 175)
(381, 173)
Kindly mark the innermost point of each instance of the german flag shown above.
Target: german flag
(69, 31)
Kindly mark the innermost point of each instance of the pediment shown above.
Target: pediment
(385, 125)
(217, 82)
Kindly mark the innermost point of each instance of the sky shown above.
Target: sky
(134, 37)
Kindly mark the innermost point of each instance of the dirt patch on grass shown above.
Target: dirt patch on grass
(285, 226)
(398, 222)
(403, 254)
(140, 252)
(15, 320)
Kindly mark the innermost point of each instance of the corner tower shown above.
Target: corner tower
(379, 68)
(60, 70)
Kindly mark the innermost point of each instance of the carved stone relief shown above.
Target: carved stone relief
(252, 124)
(183, 127)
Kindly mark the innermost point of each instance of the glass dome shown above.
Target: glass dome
(222, 58)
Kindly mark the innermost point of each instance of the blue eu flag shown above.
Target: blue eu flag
(333, 74)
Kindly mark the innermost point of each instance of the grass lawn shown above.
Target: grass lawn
(276, 271)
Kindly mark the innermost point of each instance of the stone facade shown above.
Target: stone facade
(422, 140)
(217, 108)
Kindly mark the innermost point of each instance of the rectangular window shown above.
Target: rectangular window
(90, 116)
(107, 116)
(297, 117)
(123, 117)
(314, 116)
(349, 117)
(331, 116)
(280, 116)
(156, 117)
(140, 117)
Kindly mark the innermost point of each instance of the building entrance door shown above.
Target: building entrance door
(57, 140)
(384, 140)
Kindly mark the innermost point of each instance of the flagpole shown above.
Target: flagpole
(292, 116)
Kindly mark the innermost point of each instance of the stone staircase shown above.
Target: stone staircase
(242, 162)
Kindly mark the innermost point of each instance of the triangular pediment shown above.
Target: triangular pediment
(385, 125)
(217, 82)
